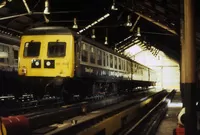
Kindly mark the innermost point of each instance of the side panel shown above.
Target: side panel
(100, 64)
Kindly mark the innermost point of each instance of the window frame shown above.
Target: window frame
(86, 51)
(65, 46)
(25, 49)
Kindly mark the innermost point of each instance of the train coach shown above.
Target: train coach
(55, 58)
(8, 69)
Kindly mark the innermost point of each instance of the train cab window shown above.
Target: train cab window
(119, 64)
(32, 49)
(92, 55)
(111, 61)
(99, 57)
(84, 53)
(56, 49)
(115, 62)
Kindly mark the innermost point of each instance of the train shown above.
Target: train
(57, 60)
(9, 81)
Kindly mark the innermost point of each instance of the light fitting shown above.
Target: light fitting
(75, 26)
(46, 9)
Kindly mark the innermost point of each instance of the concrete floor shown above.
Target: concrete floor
(169, 123)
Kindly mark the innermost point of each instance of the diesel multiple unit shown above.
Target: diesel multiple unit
(56, 56)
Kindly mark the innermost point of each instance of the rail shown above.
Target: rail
(102, 120)
(32, 121)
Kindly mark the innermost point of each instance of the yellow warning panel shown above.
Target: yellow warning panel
(2, 129)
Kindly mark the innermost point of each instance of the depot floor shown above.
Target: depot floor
(170, 121)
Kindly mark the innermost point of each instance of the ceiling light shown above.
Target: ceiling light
(75, 26)
(106, 41)
(93, 34)
(113, 6)
(129, 24)
(94, 23)
(46, 10)
(138, 32)
(3, 3)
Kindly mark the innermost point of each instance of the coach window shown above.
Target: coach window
(115, 62)
(5, 50)
(99, 57)
(92, 55)
(104, 59)
(125, 65)
(119, 64)
(111, 61)
(122, 64)
(129, 67)
(84, 53)
(1, 50)
(56, 49)
(107, 60)
(16, 56)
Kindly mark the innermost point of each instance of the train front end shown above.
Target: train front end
(46, 56)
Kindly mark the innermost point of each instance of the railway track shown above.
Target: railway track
(11, 106)
(27, 104)
(45, 117)
(100, 121)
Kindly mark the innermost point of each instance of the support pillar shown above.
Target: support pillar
(182, 65)
(189, 60)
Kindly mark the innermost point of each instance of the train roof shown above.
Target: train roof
(59, 30)
(48, 30)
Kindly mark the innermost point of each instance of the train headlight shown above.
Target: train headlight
(48, 63)
(37, 63)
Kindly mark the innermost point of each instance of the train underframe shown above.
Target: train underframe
(10, 83)
(70, 89)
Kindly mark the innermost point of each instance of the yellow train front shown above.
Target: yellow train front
(46, 56)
